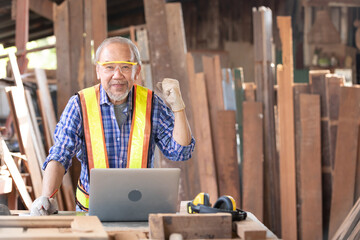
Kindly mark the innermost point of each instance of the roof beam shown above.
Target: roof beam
(42, 7)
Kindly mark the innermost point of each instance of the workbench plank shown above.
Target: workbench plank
(310, 200)
(287, 131)
(345, 158)
(252, 170)
(190, 226)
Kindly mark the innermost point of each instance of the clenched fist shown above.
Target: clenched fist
(171, 91)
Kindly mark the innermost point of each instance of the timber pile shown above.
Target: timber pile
(32, 147)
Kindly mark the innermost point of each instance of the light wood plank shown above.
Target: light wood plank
(15, 174)
(199, 226)
(287, 130)
(26, 131)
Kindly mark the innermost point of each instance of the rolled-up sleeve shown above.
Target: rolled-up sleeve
(164, 138)
(67, 136)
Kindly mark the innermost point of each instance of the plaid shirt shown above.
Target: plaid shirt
(69, 139)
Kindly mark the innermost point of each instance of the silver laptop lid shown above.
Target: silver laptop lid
(118, 194)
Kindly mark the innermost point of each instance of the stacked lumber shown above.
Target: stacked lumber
(27, 127)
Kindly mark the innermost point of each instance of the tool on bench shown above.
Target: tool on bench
(225, 204)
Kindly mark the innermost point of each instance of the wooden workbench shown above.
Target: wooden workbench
(71, 224)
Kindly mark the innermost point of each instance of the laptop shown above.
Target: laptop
(123, 194)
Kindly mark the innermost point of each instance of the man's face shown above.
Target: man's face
(117, 84)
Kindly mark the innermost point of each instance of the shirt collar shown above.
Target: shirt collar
(104, 99)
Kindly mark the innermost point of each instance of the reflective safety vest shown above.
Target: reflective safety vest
(139, 139)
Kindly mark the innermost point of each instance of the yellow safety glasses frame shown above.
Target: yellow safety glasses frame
(104, 63)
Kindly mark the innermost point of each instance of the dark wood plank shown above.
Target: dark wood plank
(162, 67)
(62, 33)
(345, 157)
(264, 80)
(310, 224)
(252, 163)
(286, 128)
(178, 49)
(226, 157)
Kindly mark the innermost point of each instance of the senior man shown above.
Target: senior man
(115, 124)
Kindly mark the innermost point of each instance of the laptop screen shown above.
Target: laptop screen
(123, 194)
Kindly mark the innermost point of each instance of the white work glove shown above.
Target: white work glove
(43, 206)
(171, 91)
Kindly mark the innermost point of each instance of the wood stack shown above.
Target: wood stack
(30, 138)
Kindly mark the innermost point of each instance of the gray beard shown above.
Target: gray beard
(117, 97)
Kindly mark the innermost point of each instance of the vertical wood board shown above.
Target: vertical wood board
(287, 131)
(252, 171)
(226, 157)
(345, 157)
(310, 168)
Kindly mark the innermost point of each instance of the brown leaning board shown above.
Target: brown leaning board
(342, 198)
(252, 164)
(310, 225)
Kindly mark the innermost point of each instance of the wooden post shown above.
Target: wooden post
(264, 80)
(22, 32)
(345, 157)
(287, 131)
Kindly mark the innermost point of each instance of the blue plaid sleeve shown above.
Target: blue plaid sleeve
(164, 118)
(67, 136)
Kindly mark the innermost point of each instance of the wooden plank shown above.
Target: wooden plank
(62, 33)
(178, 49)
(286, 128)
(42, 7)
(99, 22)
(345, 157)
(202, 131)
(190, 226)
(349, 223)
(22, 31)
(36, 137)
(54, 227)
(46, 131)
(252, 170)
(265, 80)
(310, 225)
(226, 157)
(46, 101)
(249, 92)
(318, 85)
(22, 114)
(15, 174)
(249, 229)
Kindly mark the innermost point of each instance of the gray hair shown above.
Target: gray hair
(135, 55)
